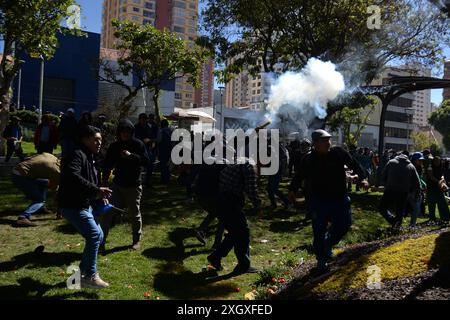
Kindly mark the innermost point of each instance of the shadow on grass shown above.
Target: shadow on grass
(175, 281)
(8, 222)
(66, 228)
(117, 249)
(440, 259)
(28, 288)
(38, 260)
(288, 226)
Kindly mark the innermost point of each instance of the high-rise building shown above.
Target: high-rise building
(181, 17)
(446, 93)
(422, 99)
(247, 91)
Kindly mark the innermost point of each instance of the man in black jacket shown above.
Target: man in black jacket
(77, 192)
(126, 156)
(328, 202)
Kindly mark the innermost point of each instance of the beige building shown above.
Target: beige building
(180, 16)
(250, 92)
(405, 114)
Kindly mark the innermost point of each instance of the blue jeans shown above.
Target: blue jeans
(35, 190)
(339, 214)
(84, 222)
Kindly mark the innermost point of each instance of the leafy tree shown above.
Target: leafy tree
(259, 34)
(153, 57)
(422, 140)
(440, 120)
(352, 120)
(26, 26)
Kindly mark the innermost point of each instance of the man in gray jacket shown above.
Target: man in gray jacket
(400, 179)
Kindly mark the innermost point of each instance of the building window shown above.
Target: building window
(149, 14)
(148, 22)
(134, 18)
(148, 5)
(137, 1)
(179, 21)
(178, 29)
(136, 9)
(179, 4)
(177, 95)
(177, 12)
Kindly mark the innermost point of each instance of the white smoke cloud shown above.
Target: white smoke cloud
(308, 91)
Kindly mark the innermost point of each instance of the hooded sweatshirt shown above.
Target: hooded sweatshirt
(400, 175)
(127, 171)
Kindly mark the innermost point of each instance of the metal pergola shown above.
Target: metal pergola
(397, 86)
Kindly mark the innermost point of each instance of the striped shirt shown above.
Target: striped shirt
(239, 178)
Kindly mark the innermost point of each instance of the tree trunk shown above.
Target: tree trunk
(156, 104)
(5, 100)
(125, 105)
(384, 106)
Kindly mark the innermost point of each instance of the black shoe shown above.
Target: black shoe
(241, 270)
(215, 263)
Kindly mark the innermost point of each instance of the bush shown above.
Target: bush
(26, 116)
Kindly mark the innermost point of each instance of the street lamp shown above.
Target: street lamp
(221, 108)
(409, 113)
(41, 85)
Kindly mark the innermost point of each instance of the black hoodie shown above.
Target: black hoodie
(127, 171)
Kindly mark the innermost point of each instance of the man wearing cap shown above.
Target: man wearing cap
(67, 133)
(324, 175)
(13, 136)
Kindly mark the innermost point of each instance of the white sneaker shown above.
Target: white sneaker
(94, 282)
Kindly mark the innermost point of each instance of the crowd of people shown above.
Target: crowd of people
(323, 172)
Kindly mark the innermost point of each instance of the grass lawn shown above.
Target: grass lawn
(171, 261)
(29, 149)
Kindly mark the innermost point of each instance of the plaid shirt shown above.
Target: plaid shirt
(239, 178)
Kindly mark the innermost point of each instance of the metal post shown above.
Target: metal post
(407, 132)
(19, 88)
(41, 89)
(221, 109)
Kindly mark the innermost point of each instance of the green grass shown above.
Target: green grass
(29, 149)
(170, 263)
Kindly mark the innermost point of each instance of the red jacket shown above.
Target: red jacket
(53, 135)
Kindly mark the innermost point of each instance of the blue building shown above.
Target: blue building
(69, 78)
